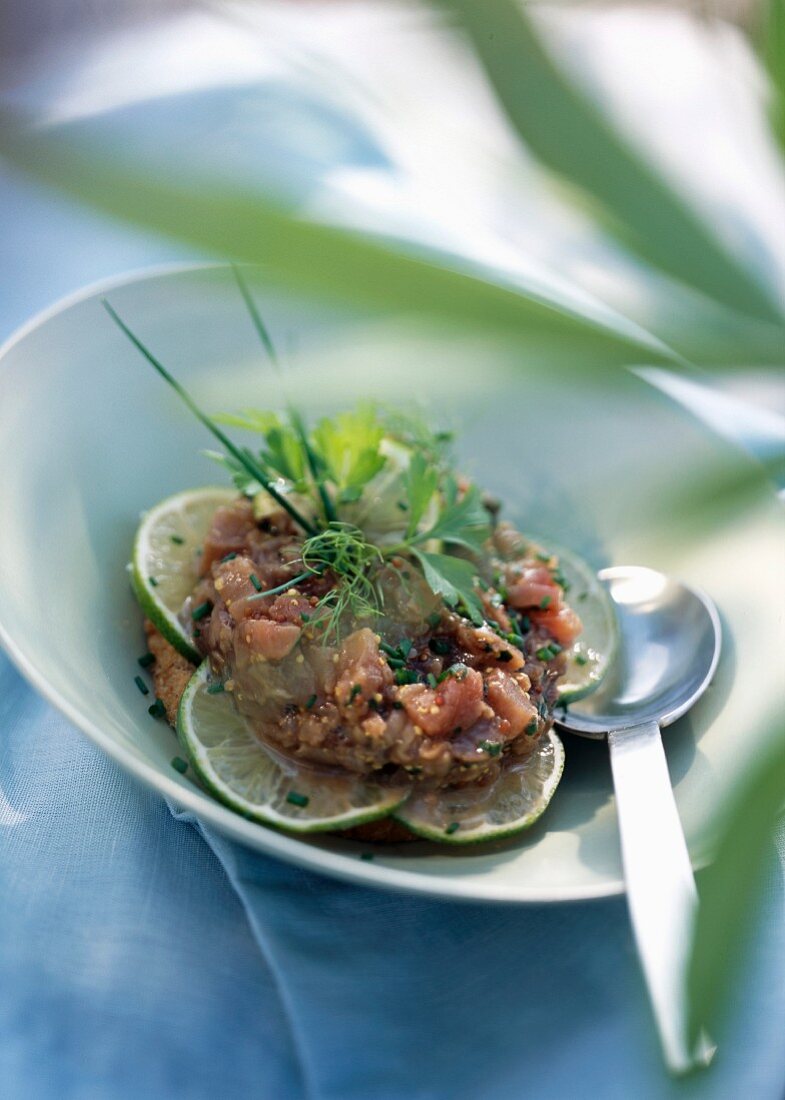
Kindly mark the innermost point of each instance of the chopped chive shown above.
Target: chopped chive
(391, 651)
(141, 685)
(396, 662)
(180, 765)
(306, 618)
(532, 727)
(580, 659)
(545, 602)
(434, 619)
(402, 505)
(153, 582)
(555, 648)
(255, 582)
(526, 623)
(493, 748)
(157, 710)
(514, 639)
(439, 645)
(583, 596)
(201, 611)
(405, 676)
(366, 857)
(542, 556)
(146, 660)
(177, 540)
(230, 556)
(397, 705)
(544, 653)
(296, 799)
(356, 689)
(432, 681)
(216, 688)
(453, 827)
(286, 584)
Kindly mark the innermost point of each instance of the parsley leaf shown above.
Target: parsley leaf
(453, 580)
(285, 454)
(348, 447)
(420, 484)
(463, 521)
(243, 482)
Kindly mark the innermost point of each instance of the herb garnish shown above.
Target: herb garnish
(317, 473)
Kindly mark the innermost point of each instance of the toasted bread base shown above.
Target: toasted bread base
(171, 673)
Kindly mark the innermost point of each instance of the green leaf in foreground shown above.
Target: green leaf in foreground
(86, 159)
(728, 887)
(772, 48)
(572, 137)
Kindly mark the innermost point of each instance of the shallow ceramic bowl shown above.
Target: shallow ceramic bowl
(90, 436)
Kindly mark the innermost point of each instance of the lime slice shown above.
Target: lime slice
(591, 655)
(471, 815)
(261, 784)
(165, 561)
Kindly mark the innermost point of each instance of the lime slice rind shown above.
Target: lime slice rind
(471, 816)
(238, 770)
(164, 566)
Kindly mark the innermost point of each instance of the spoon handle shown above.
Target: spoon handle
(661, 890)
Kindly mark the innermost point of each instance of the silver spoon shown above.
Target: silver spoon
(669, 648)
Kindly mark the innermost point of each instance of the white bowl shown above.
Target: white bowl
(90, 436)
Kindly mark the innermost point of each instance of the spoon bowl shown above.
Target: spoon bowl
(670, 638)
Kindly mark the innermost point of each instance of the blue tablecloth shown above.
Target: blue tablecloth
(141, 955)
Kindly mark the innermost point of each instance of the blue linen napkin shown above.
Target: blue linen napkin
(136, 960)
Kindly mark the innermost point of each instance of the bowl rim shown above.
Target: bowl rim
(205, 809)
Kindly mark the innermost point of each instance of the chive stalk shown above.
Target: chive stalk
(242, 455)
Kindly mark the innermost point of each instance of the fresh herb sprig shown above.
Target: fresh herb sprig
(334, 464)
(242, 457)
